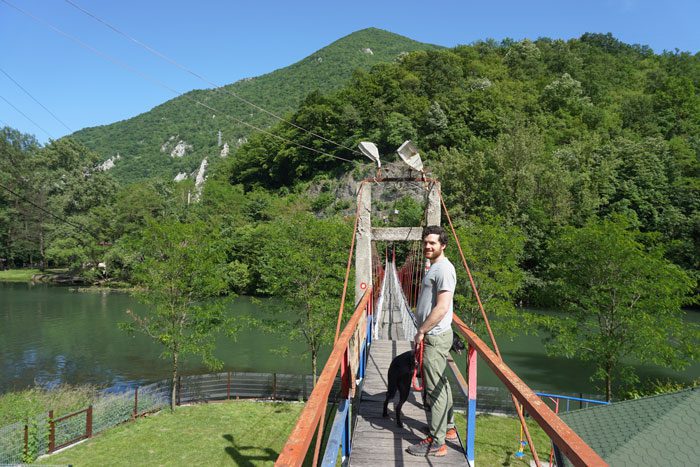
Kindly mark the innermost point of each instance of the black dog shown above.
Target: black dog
(399, 378)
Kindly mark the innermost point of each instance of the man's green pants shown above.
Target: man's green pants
(438, 391)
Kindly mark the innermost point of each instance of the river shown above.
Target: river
(51, 335)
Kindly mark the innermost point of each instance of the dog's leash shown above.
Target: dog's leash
(418, 356)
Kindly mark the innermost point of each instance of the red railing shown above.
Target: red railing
(575, 449)
(345, 356)
(52, 429)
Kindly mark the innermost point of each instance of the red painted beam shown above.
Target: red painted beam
(575, 449)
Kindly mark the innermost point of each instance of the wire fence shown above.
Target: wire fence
(24, 441)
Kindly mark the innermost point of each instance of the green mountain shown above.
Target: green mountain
(187, 123)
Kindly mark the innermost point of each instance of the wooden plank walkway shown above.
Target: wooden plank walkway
(379, 441)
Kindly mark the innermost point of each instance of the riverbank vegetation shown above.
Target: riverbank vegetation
(19, 405)
(18, 275)
(536, 143)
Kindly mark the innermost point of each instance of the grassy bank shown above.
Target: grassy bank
(251, 433)
(236, 432)
(18, 275)
(16, 406)
(497, 440)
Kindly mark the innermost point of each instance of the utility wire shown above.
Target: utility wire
(160, 83)
(35, 100)
(196, 75)
(62, 219)
(27, 117)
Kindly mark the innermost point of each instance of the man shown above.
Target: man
(434, 315)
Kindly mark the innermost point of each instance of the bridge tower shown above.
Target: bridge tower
(366, 234)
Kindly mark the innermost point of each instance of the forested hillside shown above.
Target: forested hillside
(571, 171)
(539, 134)
(145, 142)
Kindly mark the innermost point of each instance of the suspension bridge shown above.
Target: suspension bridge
(381, 327)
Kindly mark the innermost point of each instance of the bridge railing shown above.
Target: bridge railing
(563, 437)
(349, 356)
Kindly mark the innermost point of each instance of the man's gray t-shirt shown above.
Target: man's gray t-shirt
(440, 277)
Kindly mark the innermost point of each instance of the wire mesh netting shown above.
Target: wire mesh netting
(111, 409)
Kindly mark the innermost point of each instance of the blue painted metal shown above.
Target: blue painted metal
(471, 405)
(577, 399)
(336, 437)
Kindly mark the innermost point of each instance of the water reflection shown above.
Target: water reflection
(50, 335)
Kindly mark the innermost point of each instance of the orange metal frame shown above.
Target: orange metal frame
(310, 419)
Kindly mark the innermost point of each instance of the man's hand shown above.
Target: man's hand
(418, 338)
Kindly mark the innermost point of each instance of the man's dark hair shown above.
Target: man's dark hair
(436, 230)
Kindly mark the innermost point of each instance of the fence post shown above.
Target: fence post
(179, 390)
(228, 387)
(88, 422)
(274, 386)
(26, 439)
(52, 432)
(136, 402)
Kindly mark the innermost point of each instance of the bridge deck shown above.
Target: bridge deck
(379, 441)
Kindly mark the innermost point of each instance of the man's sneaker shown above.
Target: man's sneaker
(427, 447)
(451, 434)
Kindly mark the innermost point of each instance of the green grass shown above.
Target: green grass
(16, 406)
(236, 432)
(497, 440)
(18, 275)
(253, 433)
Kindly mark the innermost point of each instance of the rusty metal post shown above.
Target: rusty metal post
(26, 440)
(52, 432)
(179, 390)
(228, 386)
(136, 402)
(274, 386)
(88, 422)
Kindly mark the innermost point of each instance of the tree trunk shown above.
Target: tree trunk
(608, 383)
(42, 265)
(173, 395)
(314, 358)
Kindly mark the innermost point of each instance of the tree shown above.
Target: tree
(301, 260)
(185, 279)
(623, 302)
(493, 251)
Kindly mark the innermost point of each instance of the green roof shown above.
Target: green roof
(657, 430)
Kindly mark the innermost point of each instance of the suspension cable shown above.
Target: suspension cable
(217, 87)
(488, 327)
(163, 85)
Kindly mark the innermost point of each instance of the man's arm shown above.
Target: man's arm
(442, 306)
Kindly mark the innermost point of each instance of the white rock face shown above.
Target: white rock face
(224, 150)
(200, 179)
(180, 177)
(164, 147)
(368, 51)
(109, 163)
(241, 141)
(180, 149)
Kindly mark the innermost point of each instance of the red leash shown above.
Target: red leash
(418, 356)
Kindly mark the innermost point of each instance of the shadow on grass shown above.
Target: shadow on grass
(236, 453)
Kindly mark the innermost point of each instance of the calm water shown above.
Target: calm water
(50, 335)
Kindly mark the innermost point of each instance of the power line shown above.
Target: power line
(160, 83)
(62, 219)
(217, 87)
(27, 117)
(35, 100)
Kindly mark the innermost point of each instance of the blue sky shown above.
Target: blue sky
(229, 40)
